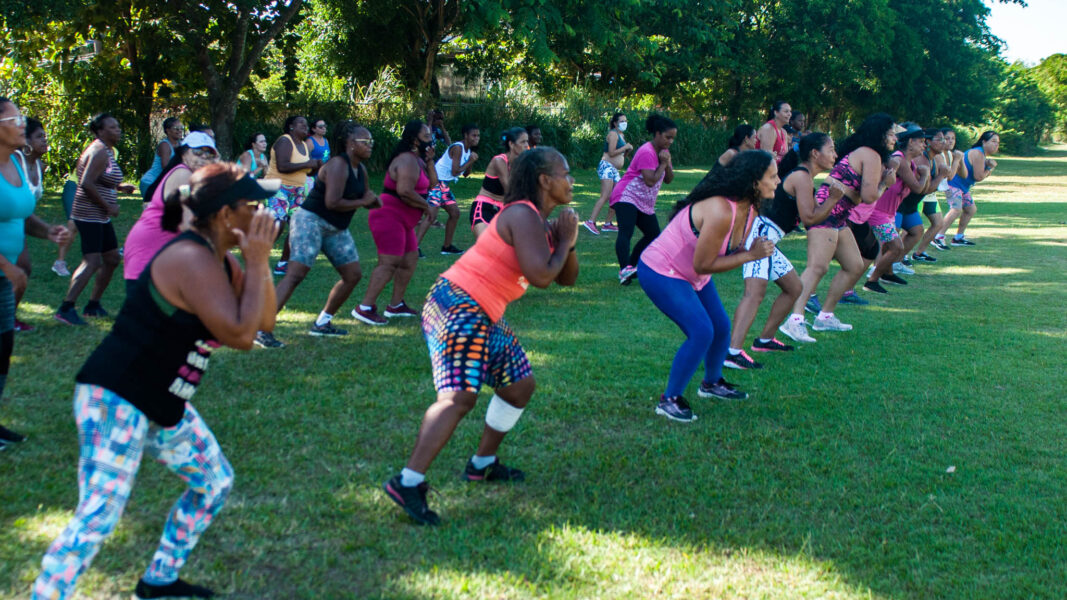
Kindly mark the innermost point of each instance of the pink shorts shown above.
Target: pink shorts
(392, 235)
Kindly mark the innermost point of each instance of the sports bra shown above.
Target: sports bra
(491, 183)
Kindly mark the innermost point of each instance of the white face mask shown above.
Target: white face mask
(622, 125)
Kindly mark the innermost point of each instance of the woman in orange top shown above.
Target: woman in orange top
(470, 343)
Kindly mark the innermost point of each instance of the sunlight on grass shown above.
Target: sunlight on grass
(891, 309)
(40, 528)
(983, 270)
(575, 562)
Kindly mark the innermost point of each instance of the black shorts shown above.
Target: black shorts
(482, 212)
(96, 238)
(929, 208)
(865, 239)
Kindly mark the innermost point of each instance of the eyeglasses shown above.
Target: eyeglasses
(366, 141)
(20, 120)
(205, 153)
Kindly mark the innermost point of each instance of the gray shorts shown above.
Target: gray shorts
(774, 266)
(310, 234)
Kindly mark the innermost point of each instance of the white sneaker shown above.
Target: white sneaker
(796, 331)
(60, 268)
(902, 269)
(831, 323)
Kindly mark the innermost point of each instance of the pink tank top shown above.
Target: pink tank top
(671, 254)
(147, 235)
(490, 271)
(780, 147)
(391, 201)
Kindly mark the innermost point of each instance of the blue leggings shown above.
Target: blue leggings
(701, 317)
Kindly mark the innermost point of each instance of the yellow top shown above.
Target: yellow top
(296, 178)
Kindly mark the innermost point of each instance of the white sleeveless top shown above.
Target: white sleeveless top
(38, 188)
(444, 164)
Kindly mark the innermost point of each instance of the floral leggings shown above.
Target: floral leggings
(113, 435)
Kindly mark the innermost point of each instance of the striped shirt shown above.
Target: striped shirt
(106, 184)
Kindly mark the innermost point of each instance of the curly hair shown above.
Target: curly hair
(871, 133)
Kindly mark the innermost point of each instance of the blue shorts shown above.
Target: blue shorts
(908, 221)
(440, 196)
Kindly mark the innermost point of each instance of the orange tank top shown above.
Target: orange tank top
(297, 178)
(490, 271)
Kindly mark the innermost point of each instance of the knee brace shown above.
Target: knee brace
(501, 416)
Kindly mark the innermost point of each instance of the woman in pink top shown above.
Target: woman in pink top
(470, 344)
(706, 235)
(147, 235)
(772, 136)
(634, 197)
(408, 181)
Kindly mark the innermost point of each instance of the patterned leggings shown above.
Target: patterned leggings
(113, 435)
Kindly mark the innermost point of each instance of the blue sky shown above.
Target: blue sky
(1031, 33)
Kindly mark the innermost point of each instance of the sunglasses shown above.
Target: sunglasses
(366, 141)
(205, 153)
(20, 120)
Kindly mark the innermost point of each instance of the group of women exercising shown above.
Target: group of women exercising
(187, 295)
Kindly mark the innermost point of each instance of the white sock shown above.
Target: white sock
(481, 462)
(765, 340)
(825, 315)
(939, 236)
(324, 319)
(409, 478)
(364, 307)
(735, 351)
(794, 318)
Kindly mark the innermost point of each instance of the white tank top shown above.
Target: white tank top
(38, 188)
(444, 164)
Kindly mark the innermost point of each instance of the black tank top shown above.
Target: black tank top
(355, 187)
(156, 353)
(782, 209)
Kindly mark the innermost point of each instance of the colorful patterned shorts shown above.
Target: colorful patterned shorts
(467, 349)
(606, 170)
(885, 232)
(288, 199)
(440, 195)
(958, 198)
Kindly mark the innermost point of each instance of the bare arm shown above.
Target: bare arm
(98, 161)
(715, 219)
(523, 228)
(980, 168)
(767, 137)
(799, 185)
(283, 154)
(874, 176)
(613, 140)
(915, 183)
(165, 153)
(190, 277)
(407, 176)
(334, 176)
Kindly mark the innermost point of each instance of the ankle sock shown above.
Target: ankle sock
(825, 315)
(958, 236)
(765, 340)
(734, 351)
(409, 478)
(324, 318)
(481, 462)
(366, 308)
(795, 318)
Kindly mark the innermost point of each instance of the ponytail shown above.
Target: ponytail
(173, 207)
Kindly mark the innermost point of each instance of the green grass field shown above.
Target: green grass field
(832, 481)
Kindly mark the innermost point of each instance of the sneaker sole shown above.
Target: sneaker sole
(268, 346)
(663, 413)
(393, 315)
(395, 497)
(797, 339)
(321, 334)
(733, 365)
(66, 322)
(755, 349)
(703, 394)
(590, 229)
(363, 319)
(817, 328)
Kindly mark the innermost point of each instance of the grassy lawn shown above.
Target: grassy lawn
(832, 481)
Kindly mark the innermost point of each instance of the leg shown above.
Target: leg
(90, 264)
(822, 244)
(911, 238)
(405, 270)
(606, 187)
(518, 395)
(649, 226)
(111, 260)
(720, 340)
(381, 276)
(627, 214)
(425, 222)
(191, 452)
(936, 222)
(111, 434)
(792, 289)
(451, 223)
(61, 253)
(891, 253)
(950, 218)
(755, 289)
(350, 274)
(679, 301)
(965, 217)
(23, 263)
(294, 275)
(438, 424)
(848, 256)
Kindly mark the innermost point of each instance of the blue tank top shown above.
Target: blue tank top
(153, 173)
(321, 152)
(16, 203)
(619, 142)
(965, 183)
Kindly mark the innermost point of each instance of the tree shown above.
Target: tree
(1051, 76)
(1023, 112)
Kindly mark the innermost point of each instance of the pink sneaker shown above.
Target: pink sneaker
(609, 226)
(591, 227)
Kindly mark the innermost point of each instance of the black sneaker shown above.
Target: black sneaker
(93, 309)
(421, 255)
(10, 437)
(69, 316)
(771, 345)
(675, 409)
(741, 361)
(266, 339)
(451, 249)
(894, 279)
(962, 241)
(923, 257)
(940, 245)
(875, 287)
(327, 330)
(906, 261)
(497, 471)
(412, 500)
(721, 389)
(178, 589)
